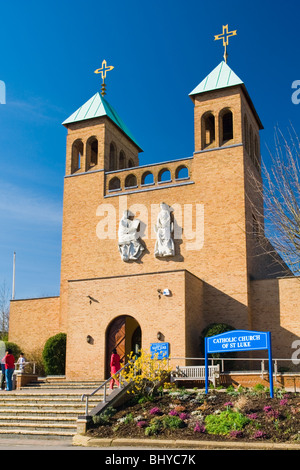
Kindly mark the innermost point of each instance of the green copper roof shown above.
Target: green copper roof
(221, 77)
(96, 107)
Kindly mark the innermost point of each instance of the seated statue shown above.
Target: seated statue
(130, 245)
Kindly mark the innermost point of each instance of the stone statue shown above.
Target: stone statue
(130, 245)
(164, 229)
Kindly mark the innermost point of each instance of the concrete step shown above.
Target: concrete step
(45, 410)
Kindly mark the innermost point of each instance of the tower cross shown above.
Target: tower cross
(225, 35)
(104, 68)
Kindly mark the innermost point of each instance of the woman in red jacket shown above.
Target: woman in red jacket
(115, 366)
(9, 369)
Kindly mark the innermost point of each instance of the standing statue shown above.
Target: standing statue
(164, 229)
(130, 246)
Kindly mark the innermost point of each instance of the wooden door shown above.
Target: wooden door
(115, 339)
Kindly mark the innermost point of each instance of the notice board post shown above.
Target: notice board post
(239, 340)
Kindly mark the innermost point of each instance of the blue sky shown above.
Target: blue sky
(160, 50)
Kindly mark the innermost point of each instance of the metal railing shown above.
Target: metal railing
(262, 361)
(86, 396)
(21, 367)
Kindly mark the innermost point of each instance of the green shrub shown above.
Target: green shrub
(14, 348)
(104, 418)
(157, 424)
(54, 354)
(225, 422)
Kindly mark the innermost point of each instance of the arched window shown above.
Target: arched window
(77, 153)
(251, 144)
(130, 181)
(164, 175)
(112, 157)
(147, 178)
(226, 126)
(130, 163)
(91, 152)
(208, 129)
(256, 154)
(114, 184)
(122, 160)
(182, 172)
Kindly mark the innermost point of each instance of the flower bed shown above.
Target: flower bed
(243, 414)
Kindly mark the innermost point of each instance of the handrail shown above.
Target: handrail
(86, 396)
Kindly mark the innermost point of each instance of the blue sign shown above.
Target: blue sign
(239, 340)
(159, 350)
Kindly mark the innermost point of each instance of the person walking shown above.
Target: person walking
(115, 366)
(9, 369)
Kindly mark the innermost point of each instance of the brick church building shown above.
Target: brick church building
(156, 253)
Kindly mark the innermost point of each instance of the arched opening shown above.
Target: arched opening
(164, 175)
(208, 129)
(77, 154)
(226, 126)
(124, 334)
(91, 152)
(181, 172)
(122, 160)
(112, 157)
(130, 181)
(147, 178)
(130, 163)
(114, 184)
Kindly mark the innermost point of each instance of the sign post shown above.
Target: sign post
(239, 340)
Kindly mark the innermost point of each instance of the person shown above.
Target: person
(115, 365)
(21, 362)
(9, 369)
(3, 373)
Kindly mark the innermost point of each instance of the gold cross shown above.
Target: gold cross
(105, 68)
(225, 35)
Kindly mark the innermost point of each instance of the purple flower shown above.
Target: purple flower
(173, 413)
(155, 411)
(142, 424)
(252, 416)
(259, 435)
(184, 416)
(199, 428)
(283, 402)
(236, 434)
(229, 404)
(267, 409)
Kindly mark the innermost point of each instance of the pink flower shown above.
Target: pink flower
(259, 435)
(199, 428)
(184, 416)
(252, 416)
(155, 411)
(173, 413)
(142, 424)
(283, 402)
(229, 404)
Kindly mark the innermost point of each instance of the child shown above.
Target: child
(21, 361)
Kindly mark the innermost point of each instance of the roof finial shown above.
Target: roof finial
(105, 68)
(225, 35)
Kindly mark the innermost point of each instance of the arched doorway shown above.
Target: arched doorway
(124, 334)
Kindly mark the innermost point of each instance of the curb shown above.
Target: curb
(85, 441)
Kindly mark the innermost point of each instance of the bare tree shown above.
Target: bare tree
(280, 190)
(4, 310)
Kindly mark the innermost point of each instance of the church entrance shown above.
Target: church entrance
(124, 334)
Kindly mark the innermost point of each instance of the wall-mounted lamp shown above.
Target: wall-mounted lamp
(89, 339)
(160, 336)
